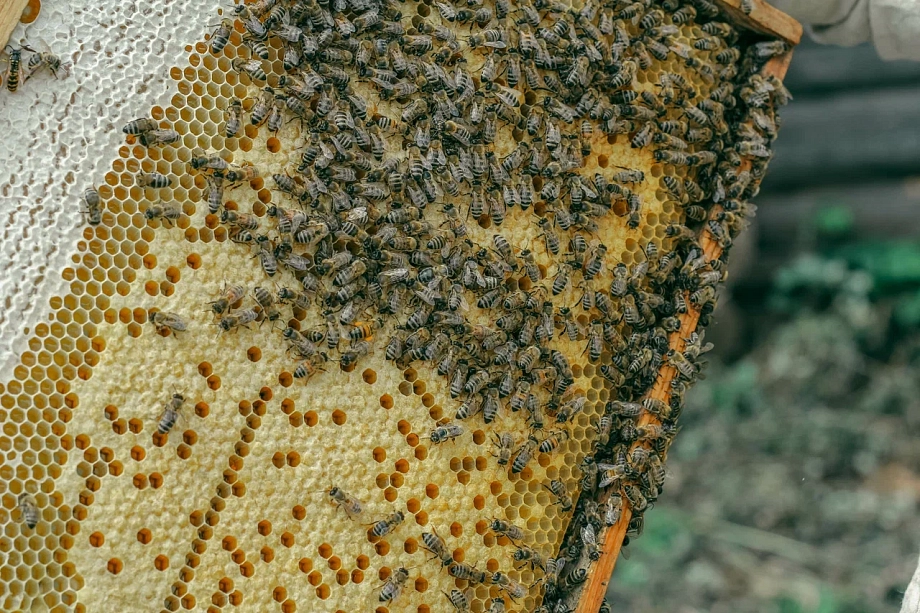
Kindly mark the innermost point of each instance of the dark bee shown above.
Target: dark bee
(394, 585)
(563, 499)
(28, 509)
(308, 368)
(14, 68)
(93, 206)
(514, 589)
(684, 15)
(266, 256)
(158, 137)
(435, 544)
(167, 213)
(445, 433)
(167, 321)
(170, 414)
(253, 68)
(385, 526)
(342, 499)
(524, 454)
(152, 179)
(459, 600)
(234, 118)
(139, 126)
(467, 573)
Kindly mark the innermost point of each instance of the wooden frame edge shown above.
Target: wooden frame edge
(10, 13)
(764, 19)
(776, 24)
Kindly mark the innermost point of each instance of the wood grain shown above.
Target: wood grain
(10, 12)
(764, 19)
(600, 572)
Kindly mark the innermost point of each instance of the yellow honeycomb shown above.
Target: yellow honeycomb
(232, 506)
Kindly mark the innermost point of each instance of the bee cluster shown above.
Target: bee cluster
(417, 144)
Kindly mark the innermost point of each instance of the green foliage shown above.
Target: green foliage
(893, 266)
(778, 497)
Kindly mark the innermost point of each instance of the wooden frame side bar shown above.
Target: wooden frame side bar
(601, 571)
(10, 12)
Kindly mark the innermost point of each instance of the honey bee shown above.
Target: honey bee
(309, 367)
(385, 526)
(527, 554)
(169, 214)
(589, 539)
(505, 445)
(43, 59)
(570, 409)
(253, 68)
(93, 206)
(257, 47)
(445, 433)
(637, 502)
(267, 301)
(459, 600)
(167, 321)
(552, 442)
(574, 578)
(245, 221)
(159, 137)
(594, 262)
(230, 295)
(200, 161)
(262, 106)
(28, 509)
(613, 509)
(466, 572)
(394, 585)
(242, 317)
(435, 544)
(170, 414)
(234, 118)
(266, 256)
(684, 15)
(139, 126)
(767, 49)
(551, 238)
(514, 589)
(221, 36)
(152, 179)
(505, 528)
(643, 137)
(215, 193)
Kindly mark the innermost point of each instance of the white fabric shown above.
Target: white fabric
(892, 25)
(911, 603)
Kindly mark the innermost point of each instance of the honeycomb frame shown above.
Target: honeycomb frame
(89, 307)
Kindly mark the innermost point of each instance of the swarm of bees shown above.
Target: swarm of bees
(378, 241)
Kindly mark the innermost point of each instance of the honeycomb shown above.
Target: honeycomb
(229, 502)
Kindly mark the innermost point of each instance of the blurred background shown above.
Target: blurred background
(793, 486)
